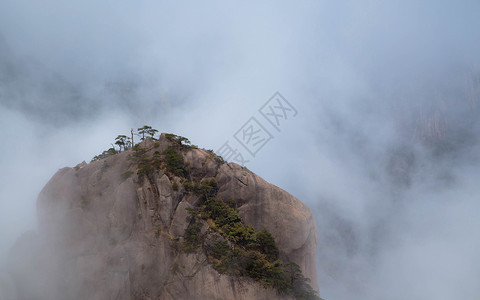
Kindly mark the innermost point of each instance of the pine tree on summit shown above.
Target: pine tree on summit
(146, 130)
(142, 131)
(121, 141)
(152, 132)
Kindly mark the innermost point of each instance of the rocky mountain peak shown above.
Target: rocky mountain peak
(165, 220)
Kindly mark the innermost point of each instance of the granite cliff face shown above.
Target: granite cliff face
(107, 233)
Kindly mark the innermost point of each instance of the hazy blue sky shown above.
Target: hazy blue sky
(363, 77)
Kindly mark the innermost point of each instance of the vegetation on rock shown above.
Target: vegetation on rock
(181, 141)
(125, 175)
(174, 162)
(126, 142)
(235, 248)
(105, 154)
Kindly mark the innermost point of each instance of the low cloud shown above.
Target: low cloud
(384, 148)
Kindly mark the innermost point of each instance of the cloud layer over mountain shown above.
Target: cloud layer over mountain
(384, 148)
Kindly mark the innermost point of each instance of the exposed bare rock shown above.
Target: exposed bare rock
(107, 233)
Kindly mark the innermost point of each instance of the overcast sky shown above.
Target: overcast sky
(397, 216)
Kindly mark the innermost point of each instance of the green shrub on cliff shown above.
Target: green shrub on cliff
(266, 244)
(182, 142)
(192, 238)
(174, 162)
(105, 154)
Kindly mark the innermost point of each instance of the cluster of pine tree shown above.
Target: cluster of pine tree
(125, 142)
